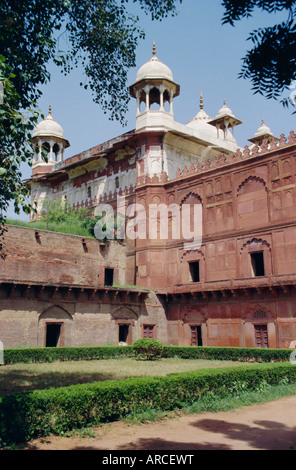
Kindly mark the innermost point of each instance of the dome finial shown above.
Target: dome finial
(49, 110)
(154, 49)
(201, 103)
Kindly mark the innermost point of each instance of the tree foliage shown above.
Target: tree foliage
(271, 63)
(15, 131)
(99, 34)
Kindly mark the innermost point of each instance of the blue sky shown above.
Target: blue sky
(204, 56)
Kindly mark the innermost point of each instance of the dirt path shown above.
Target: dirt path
(271, 426)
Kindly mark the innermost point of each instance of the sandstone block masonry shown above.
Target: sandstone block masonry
(44, 256)
(54, 291)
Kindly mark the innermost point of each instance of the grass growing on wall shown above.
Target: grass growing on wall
(65, 227)
(59, 216)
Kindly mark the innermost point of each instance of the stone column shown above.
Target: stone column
(138, 102)
(171, 101)
(161, 91)
(50, 151)
(147, 91)
(40, 150)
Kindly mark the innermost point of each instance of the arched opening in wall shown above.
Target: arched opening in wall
(260, 328)
(56, 150)
(192, 267)
(154, 99)
(255, 259)
(89, 192)
(166, 101)
(142, 102)
(125, 319)
(54, 327)
(36, 153)
(45, 149)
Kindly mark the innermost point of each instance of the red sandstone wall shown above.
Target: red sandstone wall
(247, 206)
(54, 257)
(231, 322)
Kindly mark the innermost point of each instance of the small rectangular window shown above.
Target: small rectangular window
(148, 331)
(257, 263)
(109, 277)
(194, 271)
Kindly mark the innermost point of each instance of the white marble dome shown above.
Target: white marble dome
(201, 123)
(263, 130)
(48, 128)
(154, 69)
(224, 111)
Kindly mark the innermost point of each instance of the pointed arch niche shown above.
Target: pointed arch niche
(255, 258)
(54, 327)
(189, 202)
(252, 204)
(125, 320)
(192, 267)
(260, 327)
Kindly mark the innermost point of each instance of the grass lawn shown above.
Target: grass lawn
(26, 377)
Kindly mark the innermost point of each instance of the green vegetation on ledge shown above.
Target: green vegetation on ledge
(57, 216)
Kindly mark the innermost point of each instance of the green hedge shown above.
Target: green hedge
(228, 353)
(27, 415)
(25, 355)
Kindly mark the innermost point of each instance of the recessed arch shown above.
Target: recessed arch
(255, 241)
(125, 313)
(55, 312)
(192, 254)
(252, 203)
(251, 184)
(190, 197)
(154, 99)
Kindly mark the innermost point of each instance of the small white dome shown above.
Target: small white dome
(48, 128)
(263, 130)
(200, 123)
(224, 111)
(154, 69)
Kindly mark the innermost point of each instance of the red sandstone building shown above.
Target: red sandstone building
(235, 287)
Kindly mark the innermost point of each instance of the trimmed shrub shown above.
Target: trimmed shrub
(228, 353)
(25, 355)
(27, 415)
(31, 355)
(148, 348)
